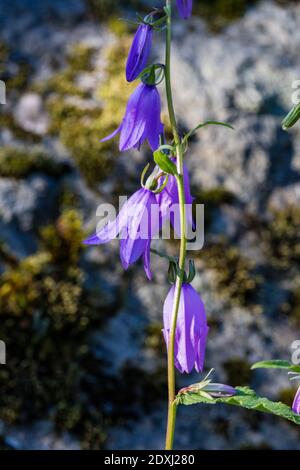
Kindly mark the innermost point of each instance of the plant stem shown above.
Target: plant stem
(172, 408)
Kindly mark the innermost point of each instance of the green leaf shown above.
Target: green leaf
(207, 123)
(245, 398)
(292, 117)
(164, 163)
(276, 364)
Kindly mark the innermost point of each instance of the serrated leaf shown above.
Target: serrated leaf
(245, 398)
(276, 364)
(164, 162)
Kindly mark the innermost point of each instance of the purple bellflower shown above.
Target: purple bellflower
(136, 225)
(141, 120)
(296, 403)
(220, 390)
(139, 52)
(185, 8)
(191, 329)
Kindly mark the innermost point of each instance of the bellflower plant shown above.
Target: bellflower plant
(191, 329)
(185, 8)
(139, 52)
(134, 216)
(296, 403)
(184, 317)
(141, 121)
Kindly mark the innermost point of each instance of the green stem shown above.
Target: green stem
(172, 408)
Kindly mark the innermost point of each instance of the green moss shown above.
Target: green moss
(80, 128)
(235, 279)
(104, 9)
(212, 200)
(281, 238)
(154, 339)
(218, 13)
(79, 58)
(238, 372)
(118, 27)
(7, 120)
(22, 70)
(3, 55)
(46, 314)
(291, 308)
(64, 239)
(19, 163)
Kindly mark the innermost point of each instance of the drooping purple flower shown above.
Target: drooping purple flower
(139, 52)
(185, 8)
(191, 330)
(141, 121)
(136, 225)
(169, 198)
(296, 403)
(220, 390)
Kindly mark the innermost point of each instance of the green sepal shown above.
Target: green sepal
(164, 162)
(292, 117)
(152, 75)
(172, 272)
(192, 271)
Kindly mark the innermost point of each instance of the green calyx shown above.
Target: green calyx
(153, 75)
(292, 118)
(156, 18)
(174, 272)
(152, 182)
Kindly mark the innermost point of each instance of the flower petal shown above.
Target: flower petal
(134, 122)
(112, 135)
(186, 351)
(154, 125)
(111, 230)
(185, 8)
(296, 403)
(146, 261)
(139, 52)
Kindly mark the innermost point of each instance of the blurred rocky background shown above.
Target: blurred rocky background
(86, 362)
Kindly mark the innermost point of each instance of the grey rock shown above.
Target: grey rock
(38, 436)
(29, 114)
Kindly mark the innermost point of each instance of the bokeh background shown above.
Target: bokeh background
(86, 364)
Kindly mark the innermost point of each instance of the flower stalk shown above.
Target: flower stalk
(172, 407)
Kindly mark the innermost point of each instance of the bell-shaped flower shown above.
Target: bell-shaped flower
(139, 52)
(141, 121)
(191, 329)
(136, 225)
(185, 8)
(296, 403)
